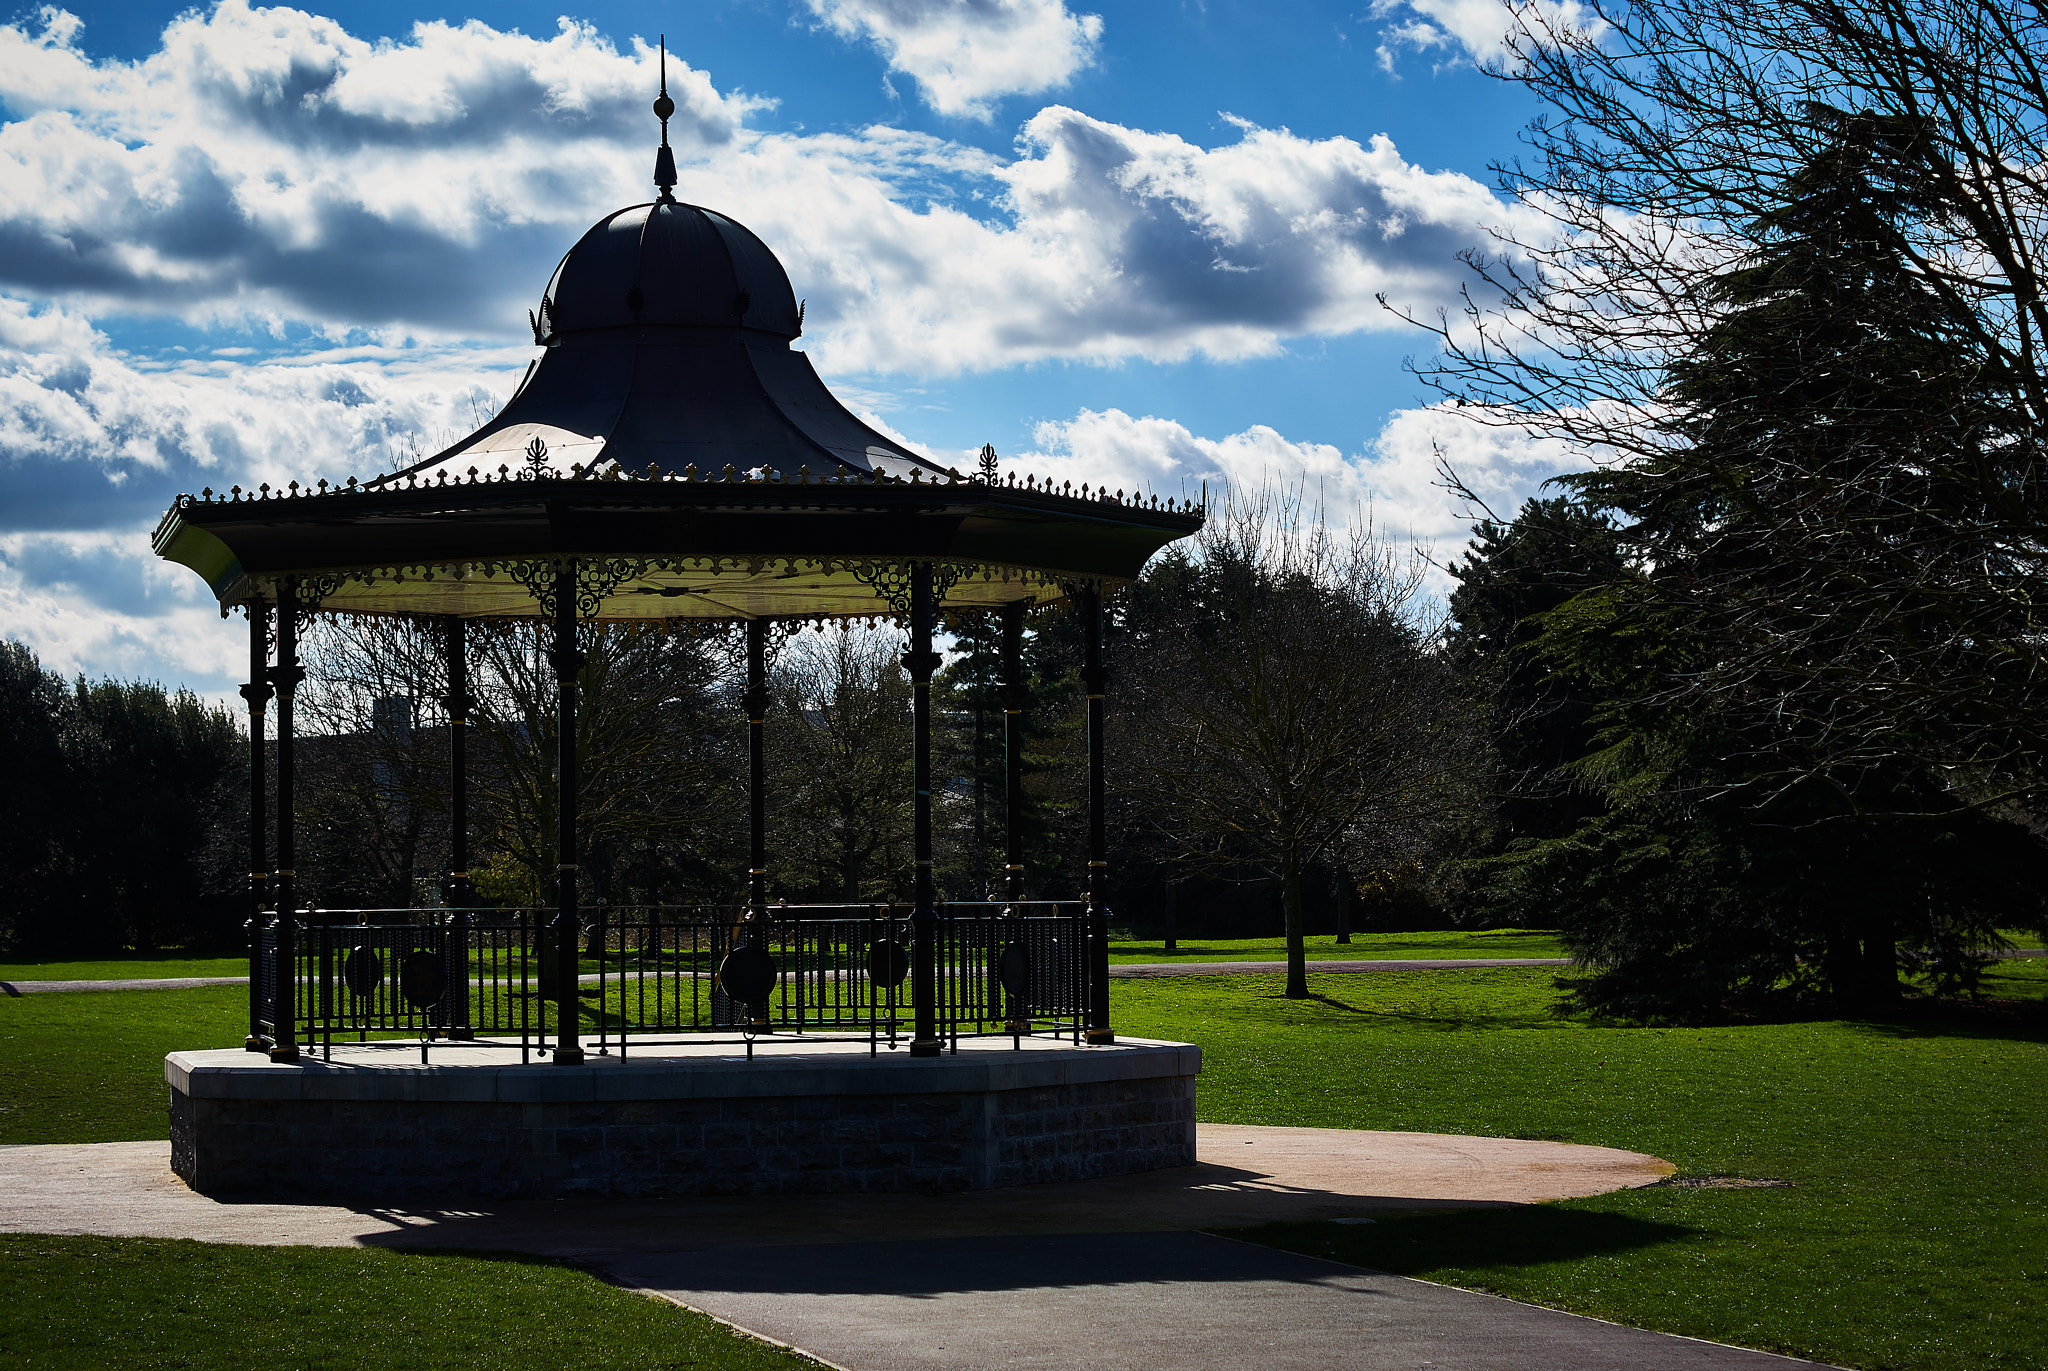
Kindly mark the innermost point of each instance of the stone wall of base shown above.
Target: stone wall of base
(739, 1145)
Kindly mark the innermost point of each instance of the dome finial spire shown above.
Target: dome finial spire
(664, 160)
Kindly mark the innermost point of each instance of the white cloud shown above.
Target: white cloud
(267, 167)
(1394, 478)
(94, 443)
(965, 54)
(1476, 28)
(90, 437)
(266, 162)
(99, 604)
(1118, 243)
(267, 170)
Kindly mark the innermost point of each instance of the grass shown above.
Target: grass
(136, 1302)
(133, 966)
(1913, 1234)
(1498, 942)
(89, 1066)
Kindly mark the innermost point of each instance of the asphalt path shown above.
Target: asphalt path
(1140, 1302)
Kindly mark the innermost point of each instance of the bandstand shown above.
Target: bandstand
(670, 457)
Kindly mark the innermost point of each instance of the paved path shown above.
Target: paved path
(12, 988)
(1118, 971)
(1246, 1175)
(1141, 1302)
(1101, 1275)
(1127, 970)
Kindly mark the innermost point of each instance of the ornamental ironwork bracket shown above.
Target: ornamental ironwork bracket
(593, 580)
(893, 582)
(300, 596)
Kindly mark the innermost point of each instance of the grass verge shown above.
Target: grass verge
(139, 1302)
(1913, 1234)
(1364, 947)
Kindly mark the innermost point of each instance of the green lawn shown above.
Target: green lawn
(1914, 1233)
(89, 1066)
(135, 1302)
(1364, 947)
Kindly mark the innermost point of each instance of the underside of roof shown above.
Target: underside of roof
(658, 547)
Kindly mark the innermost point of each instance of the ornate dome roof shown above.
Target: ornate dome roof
(668, 264)
(667, 331)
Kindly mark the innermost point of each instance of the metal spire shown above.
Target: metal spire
(664, 160)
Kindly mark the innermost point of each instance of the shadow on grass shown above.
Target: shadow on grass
(2010, 1020)
(1520, 1235)
(1449, 1018)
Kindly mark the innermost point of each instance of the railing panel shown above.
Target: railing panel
(838, 969)
(263, 980)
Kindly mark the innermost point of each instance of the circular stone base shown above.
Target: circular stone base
(695, 1119)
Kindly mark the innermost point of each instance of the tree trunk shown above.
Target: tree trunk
(1297, 949)
(1347, 891)
(1877, 970)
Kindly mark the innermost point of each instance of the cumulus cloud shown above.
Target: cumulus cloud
(94, 443)
(1394, 479)
(91, 438)
(965, 54)
(1474, 28)
(98, 604)
(267, 162)
(399, 200)
(266, 166)
(1118, 243)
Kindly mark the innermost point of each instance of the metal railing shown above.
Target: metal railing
(802, 971)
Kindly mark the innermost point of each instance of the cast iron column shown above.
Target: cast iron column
(457, 893)
(567, 661)
(1093, 681)
(921, 662)
(1015, 696)
(258, 693)
(285, 983)
(755, 702)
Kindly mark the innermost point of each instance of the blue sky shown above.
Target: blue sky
(1138, 242)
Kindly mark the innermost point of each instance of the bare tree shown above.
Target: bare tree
(1905, 620)
(1280, 698)
(655, 769)
(373, 789)
(839, 762)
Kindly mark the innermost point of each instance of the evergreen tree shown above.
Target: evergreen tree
(1541, 712)
(1767, 825)
(120, 812)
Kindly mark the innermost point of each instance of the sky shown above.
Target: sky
(1140, 244)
